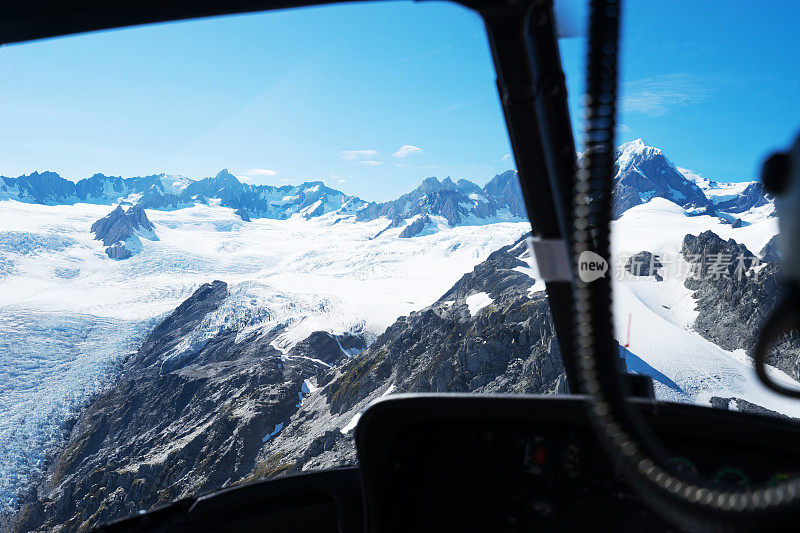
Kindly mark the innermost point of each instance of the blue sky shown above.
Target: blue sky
(374, 98)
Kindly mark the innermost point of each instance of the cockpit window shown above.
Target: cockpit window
(696, 264)
(221, 239)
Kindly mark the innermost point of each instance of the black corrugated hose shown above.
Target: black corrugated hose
(691, 504)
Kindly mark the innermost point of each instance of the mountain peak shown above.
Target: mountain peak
(430, 185)
(226, 179)
(224, 174)
(637, 148)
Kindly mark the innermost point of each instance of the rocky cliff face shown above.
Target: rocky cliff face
(733, 304)
(166, 430)
(120, 231)
(189, 414)
(506, 346)
(416, 227)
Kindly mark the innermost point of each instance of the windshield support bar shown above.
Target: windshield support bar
(533, 95)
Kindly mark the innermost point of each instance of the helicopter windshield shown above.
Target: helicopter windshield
(221, 239)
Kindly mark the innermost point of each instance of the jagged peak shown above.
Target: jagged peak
(635, 152)
(501, 181)
(637, 147)
(44, 174)
(312, 185)
(226, 177)
(224, 173)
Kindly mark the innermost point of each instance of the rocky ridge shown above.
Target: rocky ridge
(188, 417)
(732, 304)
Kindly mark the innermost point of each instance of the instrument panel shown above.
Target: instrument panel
(501, 463)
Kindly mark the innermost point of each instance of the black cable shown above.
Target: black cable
(691, 504)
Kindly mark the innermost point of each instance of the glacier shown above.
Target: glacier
(68, 314)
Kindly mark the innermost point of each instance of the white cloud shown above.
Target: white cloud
(351, 155)
(505, 157)
(371, 163)
(260, 172)
(655, 96)
(406, 150)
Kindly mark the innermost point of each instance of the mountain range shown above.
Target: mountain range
(145, 380)
(642, 172)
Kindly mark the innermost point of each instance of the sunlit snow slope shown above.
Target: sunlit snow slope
(661, 313)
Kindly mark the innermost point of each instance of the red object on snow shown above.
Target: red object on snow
(628, 339)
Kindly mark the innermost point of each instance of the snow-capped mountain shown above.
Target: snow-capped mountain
(326, 302)
(644, 172)
(457, 202)
(69, 314)
(740, 198)
(454, 203)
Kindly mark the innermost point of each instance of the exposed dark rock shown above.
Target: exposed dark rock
(172, 425)
(415, 227)
(734, 301)
(121, 224)
(99, 186)
(743, 406)
(644, 171)
(771, 252)
(507, 347)
(732, 298)
(754, 195)
(154, 197)
(644, 264)
(118, 251)
(507, 189)
(625, 197)
(42, 188)
(453, 201)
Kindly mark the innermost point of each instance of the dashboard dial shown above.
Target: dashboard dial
(682, 465)
(731, 476)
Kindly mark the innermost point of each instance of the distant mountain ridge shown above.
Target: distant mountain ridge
(642, 173)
